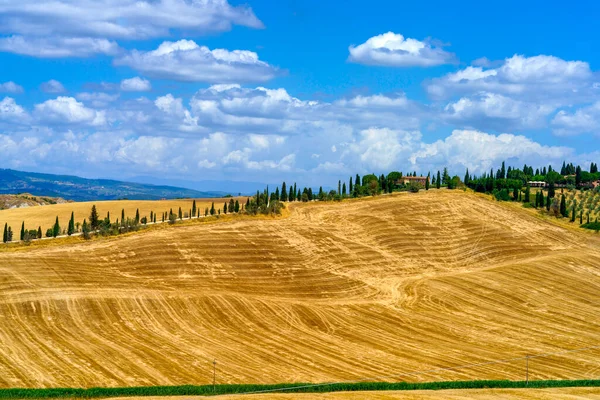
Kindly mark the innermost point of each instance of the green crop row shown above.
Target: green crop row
(209, 390)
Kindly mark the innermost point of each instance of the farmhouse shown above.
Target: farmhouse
(537, 183)
(405, 180)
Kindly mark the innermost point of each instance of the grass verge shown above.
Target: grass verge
(207, 390)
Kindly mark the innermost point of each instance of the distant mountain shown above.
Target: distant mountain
(225, 186)
(81, 189)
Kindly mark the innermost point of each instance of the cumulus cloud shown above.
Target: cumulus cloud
(58, 47)
(10, 87)
(184, 60)
(491, 110)
(383, 148)
(97, 99)
(82, 28)
(67, 110)
(11, 111)
(583, 120)
(480, 151)
(135, 84)
(52, 86)
(394, 50)
(535, 78)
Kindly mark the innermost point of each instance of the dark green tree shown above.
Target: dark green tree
(179, 214)
(85, 229)
(573, 211)
(527, 194)
(236, 207)
(137, 216)
(357, 180)
(9, 234)
(122, 216)
(5, 236)
(225, 208)
(344, 189)
(94, 219)
(71, 227)
(22, 236)
(56, 228)
(193, 209)
(284, 195)
(212, 208)
(467, 177)
(438, 181)
(291, 196)
(563, 206)
(39, 232)
(427, 182)
(578, 176)
(350, 188)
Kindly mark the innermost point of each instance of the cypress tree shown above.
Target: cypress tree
(85, 229)
(542, 202)
(56, 228)
(122, 216)
(71, 228)
(527, 194)
(578, 176)
(94, 219)
(291, 195)
(284, 195)
(236, 207)
(22, 231)
(548, 200)
(225, 208)
(295, 192)
(467, 177)
(563, 206)
(581, 217)
(344, 189)
(350, 185)
(206, 212)
(426, 183)
(357, 181)
(39, 232)
(180, 214)
(438, 181)
(5, 236)
(573, 210)
(212, 208)
(248, 201)
(193, 209)
(137, 216)
(339, 187)
(9, 234)
(108, 217)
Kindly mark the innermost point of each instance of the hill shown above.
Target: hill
(25, 200)
(338, 291)
(81, 189)
(45, 217)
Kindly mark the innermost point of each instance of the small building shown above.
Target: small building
(596, 184)
(405, 180)
(537, 184)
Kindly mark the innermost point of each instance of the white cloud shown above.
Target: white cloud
(97, 99)
(71, 28)
(126, 19)
(537, 78)
(393, 50)
(58, 47)
(11, 111)
(497, 111)
(480, 151)
(383, 148)
(52, 86)
(184, 60)
(583, 120)
(10, 87)
(135, 84)
(67, 110)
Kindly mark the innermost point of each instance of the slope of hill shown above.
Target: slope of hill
(81, 189)
(25, 200)
(368, 288)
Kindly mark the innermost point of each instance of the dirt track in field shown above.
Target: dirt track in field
(466, 394)
(344, 291)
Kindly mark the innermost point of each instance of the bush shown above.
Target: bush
(592, 225)
(502, 195)
(414, 187)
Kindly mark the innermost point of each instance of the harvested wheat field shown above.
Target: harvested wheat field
(477, 394)
(338, 291)
(45, 216)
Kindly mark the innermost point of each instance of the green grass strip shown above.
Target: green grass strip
(207, 390)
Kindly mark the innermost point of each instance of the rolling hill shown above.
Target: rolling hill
(81, 189)
(337, 291)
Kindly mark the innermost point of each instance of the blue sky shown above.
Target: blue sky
(305, 90)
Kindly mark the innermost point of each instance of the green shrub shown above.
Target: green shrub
(592, 225)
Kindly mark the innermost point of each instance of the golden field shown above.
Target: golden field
(45, 216)
(337, 291)
(464, 394)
